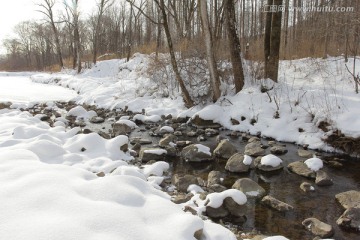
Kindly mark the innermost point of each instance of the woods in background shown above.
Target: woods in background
(119, 28)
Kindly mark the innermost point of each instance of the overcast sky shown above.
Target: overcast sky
(15, 11)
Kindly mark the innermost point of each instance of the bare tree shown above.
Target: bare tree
(214, 75)
(46, 7)
(234, 45)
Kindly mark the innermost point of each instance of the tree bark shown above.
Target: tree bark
(214, 75)
(234, 45)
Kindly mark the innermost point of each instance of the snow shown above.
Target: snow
(203, 149)
(270, 160)
(315, 164)
(194, 189)
(276, 238)
(156, 151)
(143, 118)
(81, 112)
(216, 199)
(247, 160)
(166, 129)
(128, 123)
(49, 189)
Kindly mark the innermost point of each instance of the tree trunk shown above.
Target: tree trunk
(234, 45)
(214, 75)
(186, 96)
(267, 39)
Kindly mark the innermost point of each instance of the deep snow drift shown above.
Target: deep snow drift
(309, 91)
(49, 189)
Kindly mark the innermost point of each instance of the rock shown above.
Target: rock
(164, 142)
(225, 149)
(199, 233)
(96, 119)
(191, 134)
(219, 212)
(4, 105)
(211, 132)
(183, 182)
(350, 219)
(276, 204)
(196, 153)
(323, 179)
(268, 163)
(124, 147)
(278, 150)
(201, 123)
(305, 153)
(147, 154)
(307, 187)
(178, 133)
(272, 143)
(215, 177)
(254, 148)
(216, 188)
(301, 169)
(121, 128)
(235, 164)
(100, 174)
(171, 151)
(249, 187)
(201, 138)
(182, 144)
(234, 121)
(139, 140)
(104, 135)
(335, 164)
(181, 198)
(349, 199)
(318, 228)
(234, 208)
(254, 139)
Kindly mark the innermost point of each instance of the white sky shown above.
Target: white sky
(15, 11)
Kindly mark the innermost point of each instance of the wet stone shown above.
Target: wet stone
(276, 204)
(318, 228)
(323, 179)
(350, 219)
(307, 187)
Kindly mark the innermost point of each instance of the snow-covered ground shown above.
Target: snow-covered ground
(309, 91)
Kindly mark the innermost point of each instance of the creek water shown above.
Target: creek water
(282, 185)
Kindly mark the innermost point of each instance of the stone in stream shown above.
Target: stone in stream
(140, 140)
(305, 153)
(307, 187)
(300, 168)
(165, 141)
(254, 139)
(228, 207)
(97, 120)
(278, 150)
(147, 154)
(318, 227)
(196, 153)
(349, 199)
(350, 219)
(224, 149)
(323, 179)
(211, 132)
(249, 187)
(215, 177)
(182, 144)
(276, 204)
(268, 163)
(183, 182)
(191, 134)
(216, 188)
(254, 149)
(236, 164)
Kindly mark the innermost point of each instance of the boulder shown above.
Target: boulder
(305, 153)
(147, 154)
(301, 169)
(323, 179)
(219, 212)
(183, 182)
(276, 204)
(278, 150)
(318, 228)
(201, 123)
(350, 219)
(196, 153)
(225, 149)
(236, 164)
(249, 187)
(349, 199)
(268, 163)
(215, 177)
(216, 188)
(254, 148)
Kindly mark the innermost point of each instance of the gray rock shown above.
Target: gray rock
(211, 132)
(121, 128)
(255, 152)
(191, 134)
(250, 188)
(234, 208)
(216, 188)
(96, 119)
(266, 168)
(318, 228)
(219, 212)
(235, 164)
(140, 140)
(305, 153)
(307, 187)
(165, 141)
(181, 198)
(323, 179)
(215, 177)
(192, 153)
(276, 204)
(183, 143)
(278, 150)
(253, 139)
(301, 169)
(147, 154)
(350, 219)
(349, 199)
(178, 133)
(183, 182)
(225, 149)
